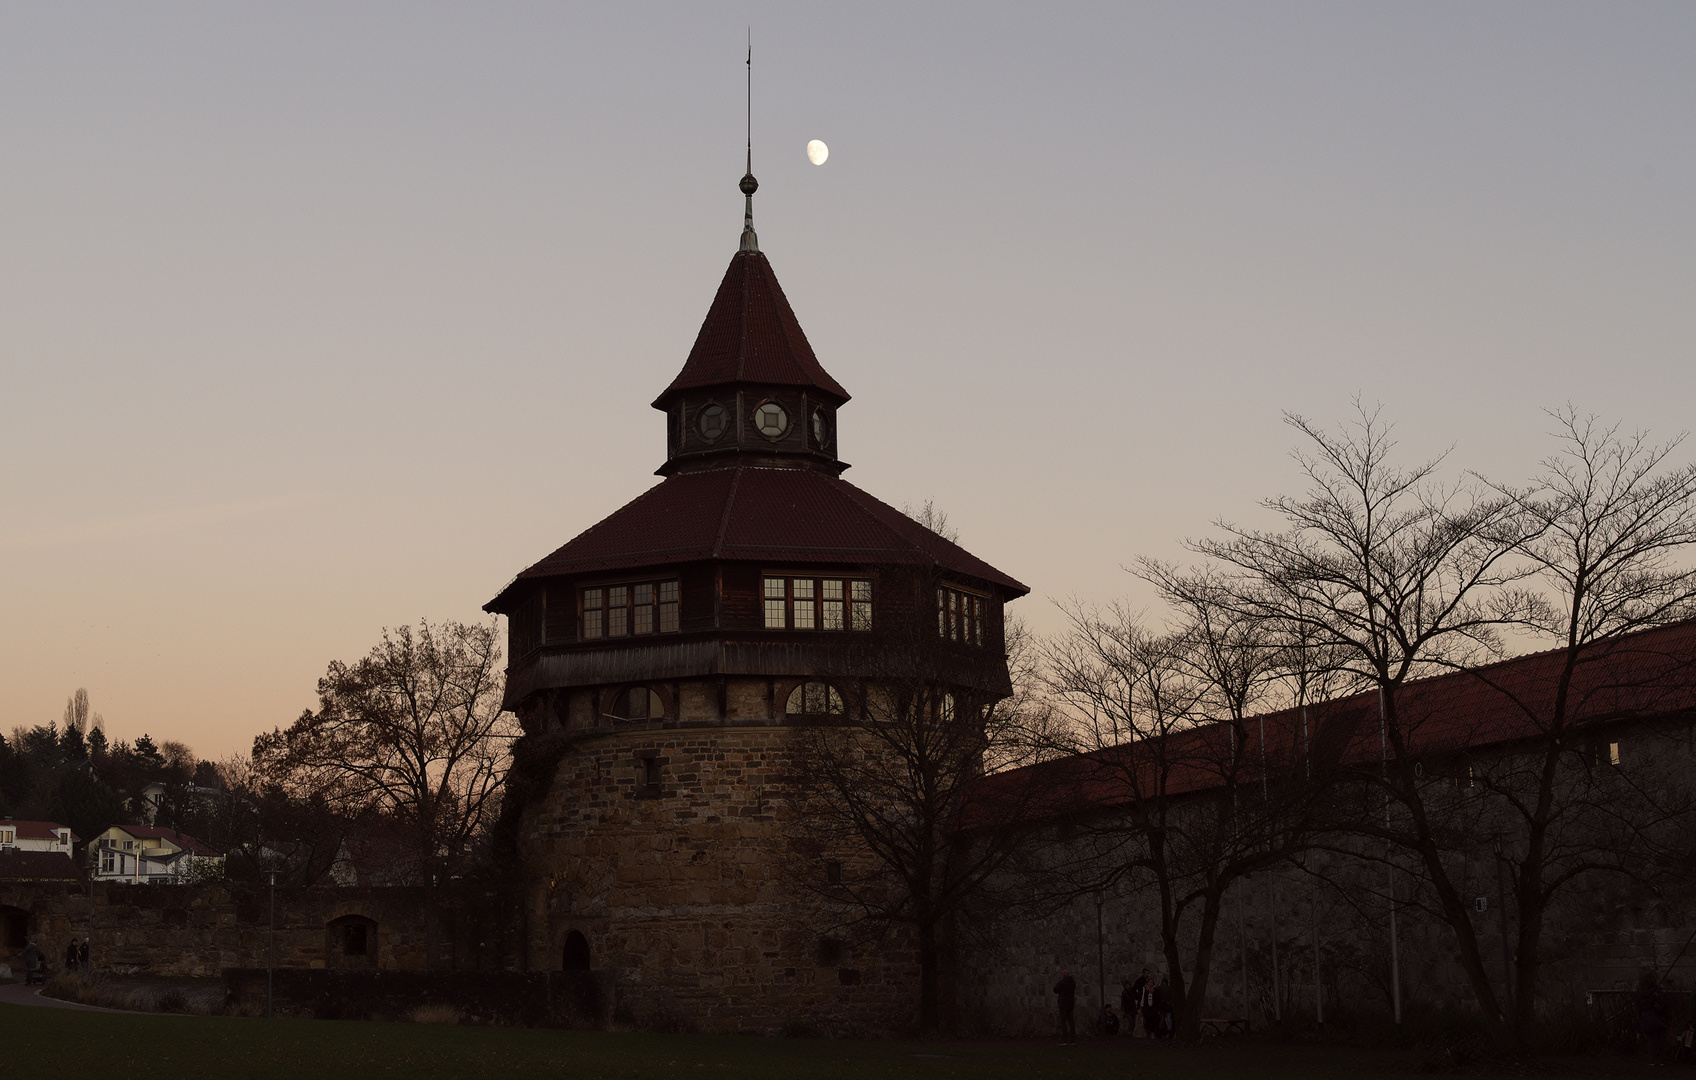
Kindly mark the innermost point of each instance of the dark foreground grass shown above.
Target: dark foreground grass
(55, 1043)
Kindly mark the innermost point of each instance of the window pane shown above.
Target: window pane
(774, 615)
(942, 613)
(797, 703)
(862, 616)
(668, 618)
(815, 698)
(832, 589)
(862, 590)
(592, 624)
(644, 594)
(591, 598)
(618, 596)
(831, 613)
(774, 588)
(644, 618)
(668, 592)
(803, 604)
(618, 620)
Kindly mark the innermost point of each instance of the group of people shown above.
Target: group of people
(35, 961)
(1145, 998)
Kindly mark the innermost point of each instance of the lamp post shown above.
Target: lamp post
(271, 946)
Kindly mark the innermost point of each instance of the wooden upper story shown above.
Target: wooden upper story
(753, 555)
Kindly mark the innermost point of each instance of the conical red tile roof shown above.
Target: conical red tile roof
(750, 335)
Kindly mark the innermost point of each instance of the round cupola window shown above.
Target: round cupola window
(711, 422)
(771, 420)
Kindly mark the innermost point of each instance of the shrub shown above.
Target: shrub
(172, 1001)
(435, 1014)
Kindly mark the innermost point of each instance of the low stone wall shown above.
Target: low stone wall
(540, 999)
(199, 930)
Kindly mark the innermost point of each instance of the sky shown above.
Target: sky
(318, 318)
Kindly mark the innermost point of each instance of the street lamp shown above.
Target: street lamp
(271, 947)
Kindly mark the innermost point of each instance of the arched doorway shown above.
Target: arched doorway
(576, 952)
(350, 942)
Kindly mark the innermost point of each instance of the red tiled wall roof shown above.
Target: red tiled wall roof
(1652, 673)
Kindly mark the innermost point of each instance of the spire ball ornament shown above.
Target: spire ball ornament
(749, 185)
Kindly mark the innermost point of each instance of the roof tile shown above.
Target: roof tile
(754, 514)
(751, 335)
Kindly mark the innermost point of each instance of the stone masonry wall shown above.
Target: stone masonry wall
(690, 898)
(200, 930)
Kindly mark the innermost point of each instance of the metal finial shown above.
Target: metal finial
(749, 185)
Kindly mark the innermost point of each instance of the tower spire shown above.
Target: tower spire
(749, 185)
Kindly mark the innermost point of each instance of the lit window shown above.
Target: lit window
(1613, 753)
(630, 610)
(814, 699)
(817, 604)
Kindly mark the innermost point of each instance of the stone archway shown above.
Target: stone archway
(350, 942)
(576, 953)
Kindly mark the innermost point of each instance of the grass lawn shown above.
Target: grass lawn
(56, 1043)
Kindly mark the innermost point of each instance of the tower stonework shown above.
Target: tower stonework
(658, 662)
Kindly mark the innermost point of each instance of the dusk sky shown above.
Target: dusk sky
(321, 318)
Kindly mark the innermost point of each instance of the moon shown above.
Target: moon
(817, 152)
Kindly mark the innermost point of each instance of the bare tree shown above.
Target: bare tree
(889, 783)
(1187, 790)
(1391, 574)
(1614, 525)
(414, 732)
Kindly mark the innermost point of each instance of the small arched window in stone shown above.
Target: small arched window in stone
(815, 699)
(576, 952)
(638, 703)
(350, 941)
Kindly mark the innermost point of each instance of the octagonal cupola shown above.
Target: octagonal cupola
(751, 391)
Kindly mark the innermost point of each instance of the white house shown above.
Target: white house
(148, 853)
(49, 836)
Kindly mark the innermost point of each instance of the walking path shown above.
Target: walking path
(19, 994)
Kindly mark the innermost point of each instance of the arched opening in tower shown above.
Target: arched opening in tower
(576, 952)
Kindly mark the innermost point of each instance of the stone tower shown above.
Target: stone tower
(657, 659)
